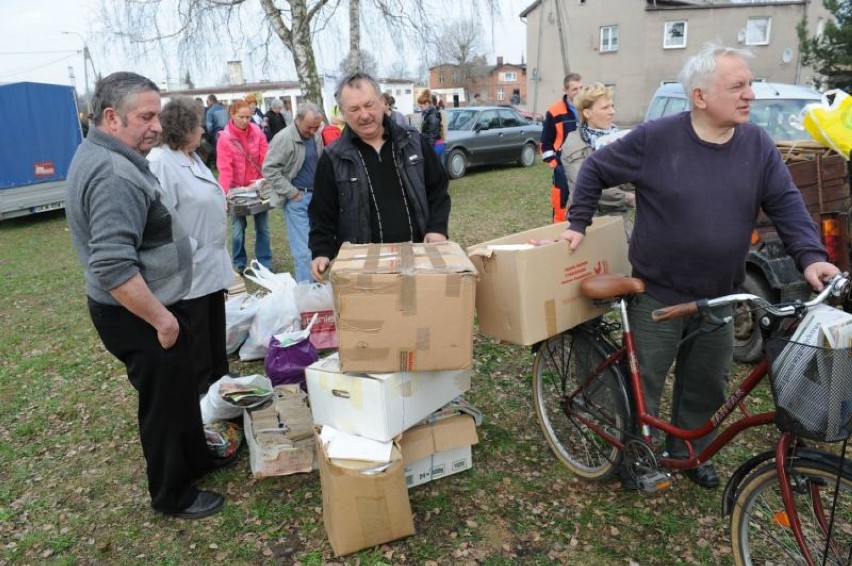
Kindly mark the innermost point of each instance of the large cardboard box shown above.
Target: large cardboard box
(438, 449)
(363, 503)
(280, 435)
(404, 307)
(378, 406)
(526, 294)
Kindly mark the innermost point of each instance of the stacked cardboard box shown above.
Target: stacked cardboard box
(404, 318)
(404, 307)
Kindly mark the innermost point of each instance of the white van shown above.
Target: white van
(776, 107)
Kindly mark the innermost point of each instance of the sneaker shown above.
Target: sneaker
(206, 503)
(704, 475)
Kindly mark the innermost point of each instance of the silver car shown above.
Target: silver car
(486, 135)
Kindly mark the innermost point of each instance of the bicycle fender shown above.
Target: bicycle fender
(732, 488)
(824, 458)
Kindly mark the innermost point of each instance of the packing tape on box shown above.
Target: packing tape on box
(361, 325)
(550, 317)
(408, 293)
(435, 257)
(357, 354)
(371, 263)
(454, 285)
(405, 388)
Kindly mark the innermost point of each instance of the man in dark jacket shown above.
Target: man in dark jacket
(378, 183)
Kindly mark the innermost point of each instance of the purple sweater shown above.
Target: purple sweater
(696, 204)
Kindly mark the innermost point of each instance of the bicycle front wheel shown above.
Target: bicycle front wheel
(561, 366)
(760, 527)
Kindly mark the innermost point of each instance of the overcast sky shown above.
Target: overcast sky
(33, 47)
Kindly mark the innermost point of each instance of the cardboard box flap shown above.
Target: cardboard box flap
(402, 258)
(446, 434)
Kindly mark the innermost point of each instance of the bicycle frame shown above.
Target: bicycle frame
(646, 420)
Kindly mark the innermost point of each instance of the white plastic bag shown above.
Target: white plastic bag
(276, 311)
(215, 408)
(317, 299)
(239, 314)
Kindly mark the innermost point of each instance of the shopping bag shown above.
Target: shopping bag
(223, 438)
(239, 314)
(288, 356)
(316, 298)
(830, 121)
(228, 396)
(276, 311)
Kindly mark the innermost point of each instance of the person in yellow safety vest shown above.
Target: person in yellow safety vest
(560, 120)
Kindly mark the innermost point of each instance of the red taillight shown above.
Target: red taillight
(755, 237)
(831, 239)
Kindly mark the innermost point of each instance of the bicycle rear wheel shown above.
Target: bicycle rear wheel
(561, 366)
(759, 524)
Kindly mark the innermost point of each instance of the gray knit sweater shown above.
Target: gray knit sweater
(119, 224)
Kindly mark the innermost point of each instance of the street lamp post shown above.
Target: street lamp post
(87, 58)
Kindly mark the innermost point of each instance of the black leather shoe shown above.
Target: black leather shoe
(206, 503)
(704, 475)
(219, 463)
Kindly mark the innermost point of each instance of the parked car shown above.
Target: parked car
(487, 135)
(776, 107)
(526, 114)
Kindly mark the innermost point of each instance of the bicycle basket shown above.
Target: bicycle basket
(812, 387)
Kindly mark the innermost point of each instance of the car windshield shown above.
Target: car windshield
(461, 119)
(782, 119)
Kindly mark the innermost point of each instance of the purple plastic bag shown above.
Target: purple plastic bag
(286, 364)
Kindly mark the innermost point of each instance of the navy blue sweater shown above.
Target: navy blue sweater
(696, 204)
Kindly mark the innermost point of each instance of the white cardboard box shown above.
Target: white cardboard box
(434, 450)
(378, 406)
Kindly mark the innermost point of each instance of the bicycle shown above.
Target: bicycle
(590, 404)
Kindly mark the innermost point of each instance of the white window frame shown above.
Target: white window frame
(611, 33)
(753, 30)
(508, 77)
(672, 42)
(500, 94)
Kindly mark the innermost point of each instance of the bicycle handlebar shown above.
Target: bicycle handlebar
(835, 287)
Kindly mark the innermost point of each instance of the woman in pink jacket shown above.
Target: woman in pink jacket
(240, 151)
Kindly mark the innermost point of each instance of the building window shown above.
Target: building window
(508, 77)
(757, 31)
(674, 36)
(441, 78)
(609, 39)
(500, 94)
(455, 76)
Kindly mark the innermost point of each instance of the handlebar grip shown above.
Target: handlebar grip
(675, 311)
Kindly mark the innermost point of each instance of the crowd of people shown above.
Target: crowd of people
(149, 222)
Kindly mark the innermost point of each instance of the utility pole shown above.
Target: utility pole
(87, 58)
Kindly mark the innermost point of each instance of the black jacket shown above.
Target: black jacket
(341, 207)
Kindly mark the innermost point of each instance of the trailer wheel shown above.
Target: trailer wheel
(748, 343)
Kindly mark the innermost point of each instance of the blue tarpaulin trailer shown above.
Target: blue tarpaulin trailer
(40, 133)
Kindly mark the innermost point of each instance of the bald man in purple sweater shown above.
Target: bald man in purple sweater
(701, 177)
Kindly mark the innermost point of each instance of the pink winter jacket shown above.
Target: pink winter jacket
(235, 168)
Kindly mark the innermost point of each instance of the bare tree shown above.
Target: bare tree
(198, 26)
(398, 70)
(459, 45)
(364, 62)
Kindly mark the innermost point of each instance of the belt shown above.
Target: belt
(306, 189)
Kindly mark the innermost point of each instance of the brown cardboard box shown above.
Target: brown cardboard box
(360, 510)
(280, 435)
(404, 307)
(528, 294)
(438, 449)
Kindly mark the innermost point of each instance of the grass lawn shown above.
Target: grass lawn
(72, 480)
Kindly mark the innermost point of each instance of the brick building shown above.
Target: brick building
(500, 83)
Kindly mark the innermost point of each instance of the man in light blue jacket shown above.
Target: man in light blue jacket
(291, 165)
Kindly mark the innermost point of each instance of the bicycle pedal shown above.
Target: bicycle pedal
(654, 481)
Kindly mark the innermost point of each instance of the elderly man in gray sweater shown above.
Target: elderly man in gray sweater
(291, 165)
(138, 263)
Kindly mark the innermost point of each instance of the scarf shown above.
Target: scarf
(591, 135)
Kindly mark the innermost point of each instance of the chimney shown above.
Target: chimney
(499, 61)
(235, 73)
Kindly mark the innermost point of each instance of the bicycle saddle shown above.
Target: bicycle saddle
(610, 285)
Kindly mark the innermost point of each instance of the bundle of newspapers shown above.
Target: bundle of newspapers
(254, 198)
(812, 376)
